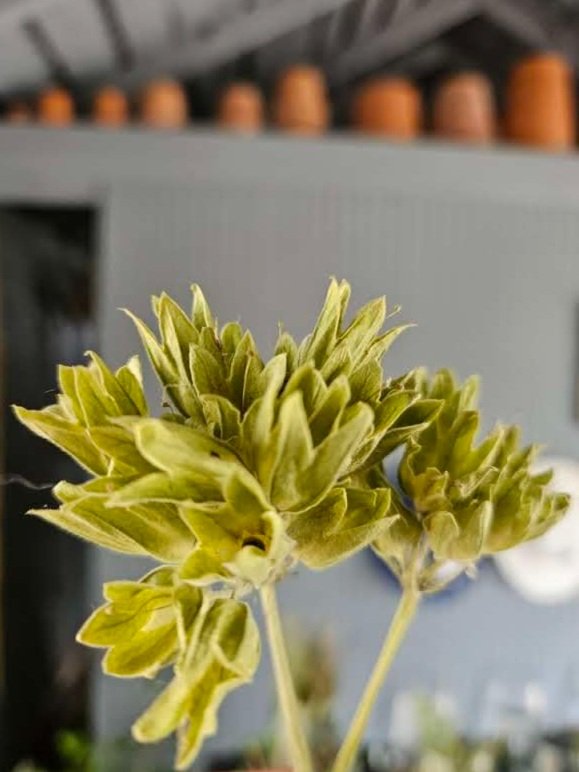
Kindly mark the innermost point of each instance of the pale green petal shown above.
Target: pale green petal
(177, 449)
(70, 438)
(220, 657)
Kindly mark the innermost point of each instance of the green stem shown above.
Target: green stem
(402, 618)
(300, 754)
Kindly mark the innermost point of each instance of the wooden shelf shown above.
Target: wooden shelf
(76, 164)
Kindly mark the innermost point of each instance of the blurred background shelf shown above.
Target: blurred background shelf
(81, 163)
(57, 56)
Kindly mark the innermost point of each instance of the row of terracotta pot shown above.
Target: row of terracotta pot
(539, 106)
(163, 105)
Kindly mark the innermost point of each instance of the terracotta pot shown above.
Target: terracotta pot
(164, 105)
(18, 112)
(56, 107)
(540, 103)
(240, 108)
(464, 109)
(300, 104)
(110, 107)
(388, 107)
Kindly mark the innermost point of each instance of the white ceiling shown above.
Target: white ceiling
(87, 42)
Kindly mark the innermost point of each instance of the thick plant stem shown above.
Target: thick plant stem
(300, 754)
(402, 618)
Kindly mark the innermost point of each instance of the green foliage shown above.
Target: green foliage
(258, 465)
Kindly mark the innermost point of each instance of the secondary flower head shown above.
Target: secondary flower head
(461, 500)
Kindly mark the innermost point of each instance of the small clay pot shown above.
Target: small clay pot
(241, 108)
(164, 105)
(465, 110)
(18, 112)
(110, 107)
(388, 107)
(300, 103)
(540, 103)
(56, 107)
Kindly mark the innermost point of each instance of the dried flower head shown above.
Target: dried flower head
(254, 466)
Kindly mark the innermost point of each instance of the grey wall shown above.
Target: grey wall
(484, 263)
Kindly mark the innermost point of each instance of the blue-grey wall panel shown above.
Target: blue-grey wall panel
(493, 284)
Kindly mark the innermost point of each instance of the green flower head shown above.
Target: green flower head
(254, 466)
(466, 500)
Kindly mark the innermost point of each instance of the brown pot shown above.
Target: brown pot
(300, 104)
(18, 112)
(540, 103)
(241, 109)
(164, 105)
(388, 107)
(110, 107)
(56, 107)
(464, 109)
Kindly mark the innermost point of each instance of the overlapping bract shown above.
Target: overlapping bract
(212, 643)
(220, 652)
(467, 500)
(93, 421)
(254, 466)
(81, 422)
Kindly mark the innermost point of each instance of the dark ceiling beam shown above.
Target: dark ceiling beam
(537, 24)
(367, 17)
(401, 8)
(427, 59)
(417, 26)
(178, 29)
(247, 32)
(49, 52)
(361, 18)
(483, 45)
(333, 31)
(350, 30)
(116, 32)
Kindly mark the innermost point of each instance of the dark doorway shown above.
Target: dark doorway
(47, 259)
